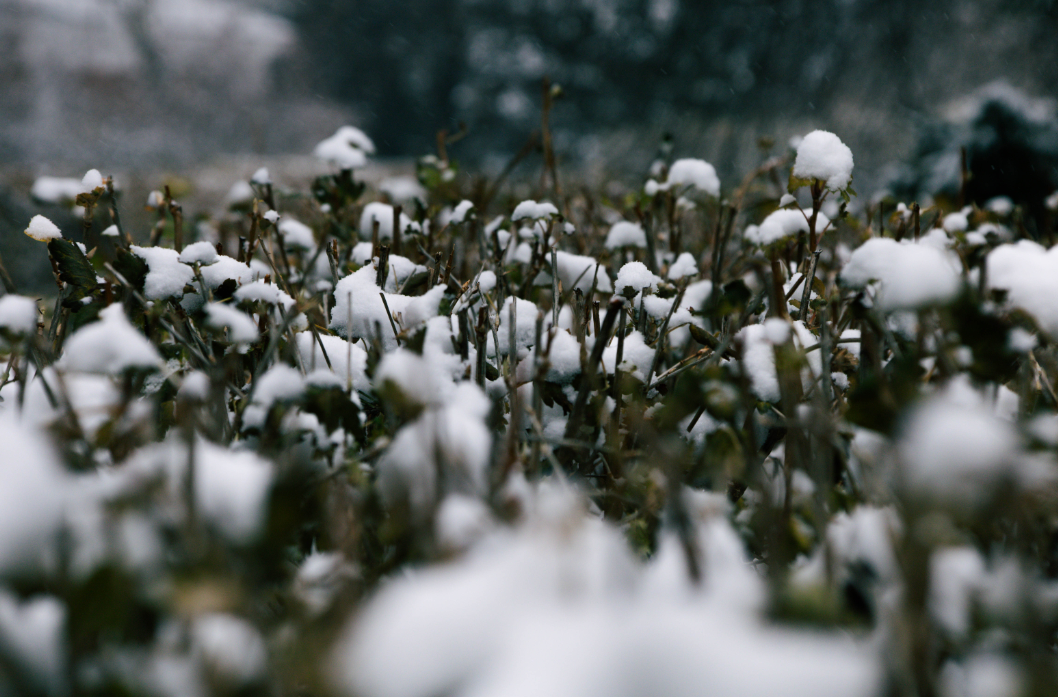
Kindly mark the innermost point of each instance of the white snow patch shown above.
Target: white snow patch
(42, 229)
(55, 189)
(461, 211)
(955, 452)
(198, 253)
(909, 275)
(241, 328)
(758, 357)
(402, 188)
(626, 234)
(369, 315)
(575, 270)
(231, 648)
(33, 487)
(695, 173)
(111, 345)
(348, 148)
(783, 223)
(637, 276)
(821, 155)
(533, 210)
(955, 222)
(1029, 274)
(383, 213)
(166, 276)
(91, 181)
(18, 314)
(684, 266)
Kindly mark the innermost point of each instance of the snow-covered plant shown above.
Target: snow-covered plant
(466, 437)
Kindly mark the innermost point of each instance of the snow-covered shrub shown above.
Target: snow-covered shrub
(527, 446)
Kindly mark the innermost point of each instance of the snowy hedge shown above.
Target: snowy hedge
(690, 439)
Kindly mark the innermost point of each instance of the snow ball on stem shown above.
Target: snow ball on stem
(695, 173)
(821, 155)
(348, 148)
(91, 181)
(637, 276)
(533, 210)
(626, 234)
(42, 229)
(688, 173)
(261, 177)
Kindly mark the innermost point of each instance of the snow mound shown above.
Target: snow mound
(637, 276)
(684, 266)
(348, 148)
(42, 229)
(111, 345)
(198, 253)
(575, 270)
(383, 213)
(296, 234)
(166, 276)
(781, 224)
(18, 314)
(758, 355)
(696, 173)
(821, 155)
(368, 313)
(957, 452)
(909, 275)
(533, 210)
(626, 234)
(241, 328)
(1029, 274)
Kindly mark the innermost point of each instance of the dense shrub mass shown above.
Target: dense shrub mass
(692, 438)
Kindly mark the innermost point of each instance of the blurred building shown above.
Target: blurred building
(84, 81)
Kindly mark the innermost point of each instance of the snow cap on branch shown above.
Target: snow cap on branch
(821, 155)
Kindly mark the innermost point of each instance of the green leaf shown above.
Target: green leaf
(74, 269)
(132, 267)
(732, 298)
(334, 408)
(702, 337)
(796, 183)
(225, 291)
(415, 283)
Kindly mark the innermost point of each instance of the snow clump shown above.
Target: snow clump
(461, 211)
(241, 329)
(348, 148)
(957, 453)
(298, 235)
(198, 253)
(383, 213)
(688, 173)
(821, 155)
(576, 270)
(18, 314)
(1029, 275)
(55, 189)
(909, 275)
(635, 276)
(626, 234)
(91, 181)
(782, 224)
(42, 229)
(532, 210)
(684, 266)
(695, 173)
(111, 345)
(166, 276)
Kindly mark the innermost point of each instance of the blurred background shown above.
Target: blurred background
(211, 89)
